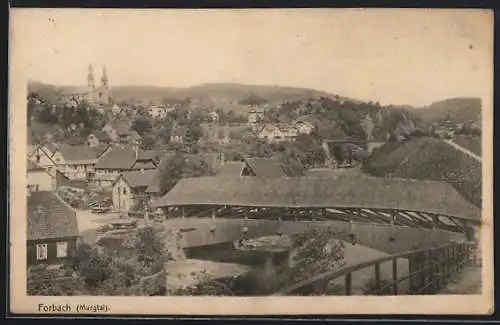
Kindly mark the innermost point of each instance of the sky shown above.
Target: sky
(393, 56)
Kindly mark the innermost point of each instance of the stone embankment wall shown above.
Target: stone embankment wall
(194, 232)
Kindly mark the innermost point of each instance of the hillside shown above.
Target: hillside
(458, 110)
(428, 159)
(223, 92)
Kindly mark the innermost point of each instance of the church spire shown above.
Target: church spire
(90, 77)
(104, 78)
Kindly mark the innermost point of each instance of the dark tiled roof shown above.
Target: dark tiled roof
(264, 167)
(100, 149)
(179, 131)
(52, 147)
(230, 168)
(139, 178)
(336, 191)
(144, 164)
(117, 158)
(101, 135)
(78, 154)
(121, 128)
(49, 217)
(31, 166)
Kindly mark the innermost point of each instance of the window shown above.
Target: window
(41, 252)
(62, 249)
(124, 191)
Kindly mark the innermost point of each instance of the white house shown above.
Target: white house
(213, 116)
(278, 132)
(305, 124)
(39, 179)
(255, 116)
(157, 112)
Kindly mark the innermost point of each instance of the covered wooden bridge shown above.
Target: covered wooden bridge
(389, 201)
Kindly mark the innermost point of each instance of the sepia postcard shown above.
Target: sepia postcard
(251, 161)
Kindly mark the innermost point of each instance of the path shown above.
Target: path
(467, 282)
(466, 151)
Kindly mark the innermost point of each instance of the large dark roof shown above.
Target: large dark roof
(101, 135)
(49, 217)
(78, 154)
(138, 178)
(230, 168)
(31, 166)
(315, 192)
(117, 158)
(265, 167)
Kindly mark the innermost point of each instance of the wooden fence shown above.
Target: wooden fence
(429, 271)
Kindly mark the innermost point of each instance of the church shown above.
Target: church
(94, 95)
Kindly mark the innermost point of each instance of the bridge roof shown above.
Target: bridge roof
(314, 192)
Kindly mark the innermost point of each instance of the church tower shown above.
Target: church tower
(104, 79)
(103, 91)
(90, 78)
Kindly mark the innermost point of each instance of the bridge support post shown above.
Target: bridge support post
(183, 213)
(213, 213)
(245, 213)
(435, 222)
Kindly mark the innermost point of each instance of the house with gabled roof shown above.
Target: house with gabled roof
(52, 229)
(129, 189)
(178, 134)
(38, 178)
(262, 167)
(97, 138)
(41, 155)
(306, 124)
(76, 162)
(119, 159)
(278, 132)
(119, 131)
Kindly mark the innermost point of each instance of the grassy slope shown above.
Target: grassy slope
(459, 109)
(472, 144)
(429, 159)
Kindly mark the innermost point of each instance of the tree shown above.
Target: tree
(141, 125)
(171, 171)
(193, 133)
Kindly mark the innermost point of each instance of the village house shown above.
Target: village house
(255, 116)
(52, 230)
(120, 132)
(129, 190)
(157, 112)
(214, 116)
(278, 132)
(305, 124)
(120, 159)
(116, 109)
(38, 178)
(41, 155)
(76, 162)
(178, 135)
(97, 138)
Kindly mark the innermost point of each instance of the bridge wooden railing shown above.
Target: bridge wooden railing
(429, 270)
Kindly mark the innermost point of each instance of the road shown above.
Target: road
(466, 151)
